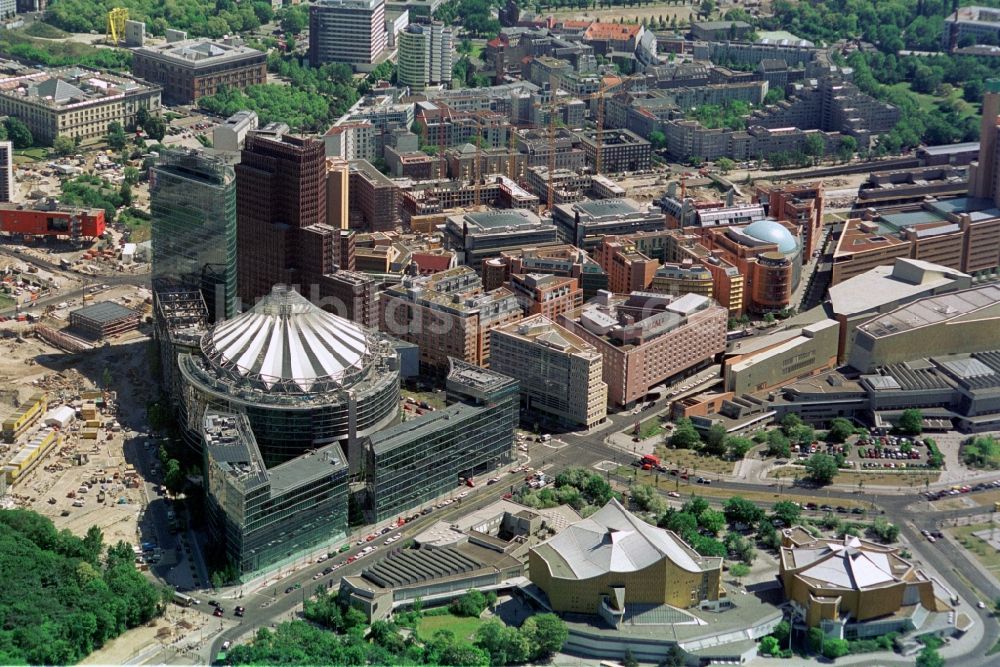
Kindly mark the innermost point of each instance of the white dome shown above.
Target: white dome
(288, 342)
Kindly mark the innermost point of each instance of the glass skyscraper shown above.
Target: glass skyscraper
(193, 206)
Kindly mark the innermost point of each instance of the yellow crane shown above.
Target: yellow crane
(116, 25)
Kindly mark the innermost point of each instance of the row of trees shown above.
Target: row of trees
(476, 16)
(208, 18)
(63, 597)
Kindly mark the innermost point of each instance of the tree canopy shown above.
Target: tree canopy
(822, 468)
(60, 601)
(201, 18)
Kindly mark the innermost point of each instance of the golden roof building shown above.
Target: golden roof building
(855, 588)
(614, 560)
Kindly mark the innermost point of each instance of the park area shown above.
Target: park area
(982, 540)
(463, 627)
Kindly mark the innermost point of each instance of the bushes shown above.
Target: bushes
(981, 452)
(934, 457)
(472, 604)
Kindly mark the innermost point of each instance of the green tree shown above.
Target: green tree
(629, 660)
(840, 430)
(711, 521)
(787, 511)
(505, 645)
(929, 657)
(472, 604)
(815, 146)
(106, 378)
(546, 634)
(822, 468)
(125, 194)
(685, 436)
(790, 422)
(740, 510)
(847, 147)
(63, 145)
(658, 140)
(714, 442)
(884, 531)
(725, 165)
(738, 447)
(835, 648)
(769, 646)
(155, 128)
(814, 640)
(739, 570)
(778, 445)
(911, 421)
(173, 476)
(116, 136)
(18, 133)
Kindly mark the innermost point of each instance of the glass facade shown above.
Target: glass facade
(421, 459)
(193, 207)
(267, 517)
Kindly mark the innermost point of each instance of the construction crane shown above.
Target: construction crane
(116, 25)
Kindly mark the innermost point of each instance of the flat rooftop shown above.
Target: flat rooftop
(104, 312)
(542, 331)
(891, 284)
(304, 469)
(200, 52)
(604, 208)
(491, 221)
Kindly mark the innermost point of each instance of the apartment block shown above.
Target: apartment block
(195, 68)
(557, 260)
(548, 295)
(583, 223)
(446, 314)
(621, 150)
(374, 199)
(559, 373)
(347, 31)
(628, 269)
(684, 277)
(647, 338)
(425, 55)
(480, 235)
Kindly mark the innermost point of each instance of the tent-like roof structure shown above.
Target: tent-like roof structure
(286, 343)
(614, 540)
(851, 564)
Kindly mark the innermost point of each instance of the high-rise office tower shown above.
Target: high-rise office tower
(425, 55)
(193, 206)
(347, 31)
(984, 174)
(6, 171)
(284, 235)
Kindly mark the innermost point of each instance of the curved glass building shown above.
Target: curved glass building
(304, 378)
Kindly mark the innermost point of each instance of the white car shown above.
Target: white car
(981, 604)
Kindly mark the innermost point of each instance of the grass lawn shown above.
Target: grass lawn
(650, 427)
(913, 478)
(7, 302)
(694, 462)
(462, 626)
(987, 555)
(985, 498)
(45, 30)
(929, 102)
(34, 154)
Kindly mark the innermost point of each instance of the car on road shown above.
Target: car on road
(317, 576)
(218, 612)
(239, 611)
(674, 494)
(226, 644)
(981, 604)
(213, 603)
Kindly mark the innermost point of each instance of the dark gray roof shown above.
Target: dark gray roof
(104, 312)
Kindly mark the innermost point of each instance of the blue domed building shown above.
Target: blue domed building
(768, 254)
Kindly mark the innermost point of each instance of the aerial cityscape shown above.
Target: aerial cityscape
(500, 332)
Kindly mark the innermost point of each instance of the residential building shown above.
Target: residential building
(620, 150)
(685, 277)
(447, 314)
(544, 294)
(196, 68)
(374, 199)
(851, 588)
(75, 102)
(230, 135)
(425, 55)
(263, 517)
(420, 459)
(347, 31)
(628, 269)
(557, 260)
(477, 235)
(353, 140)
(647, 338)
(559, 373)
(192, 202)
(583, 223)
(719, 31)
